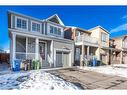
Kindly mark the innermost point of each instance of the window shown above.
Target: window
(103, 37)
(59, 31)
(55, 30)
(35, 27)
(51, 29)
(21, 23)
(31, 45)
(77, 33)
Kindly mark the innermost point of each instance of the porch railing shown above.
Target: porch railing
(23, 56)
(88, 39)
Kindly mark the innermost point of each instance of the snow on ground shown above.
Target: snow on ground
(115, 69)
(36, 79)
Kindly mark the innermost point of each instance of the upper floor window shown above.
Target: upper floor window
(77, 33)
(59, 31)
(55, 30)
(51, 29)
(35, 27)
(103, 37)
(21, 23)
(125, 43)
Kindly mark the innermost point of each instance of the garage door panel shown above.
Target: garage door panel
(59, 59)
(62, 59)
(65, 59)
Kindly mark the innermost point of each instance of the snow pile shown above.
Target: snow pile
(116, 69)
(46, 81)
(9, 81)
(34, 80)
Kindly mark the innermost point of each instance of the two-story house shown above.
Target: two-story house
(32, 38)
(103, 40)
(114, 53)
(121, 46)
(86, 46)
(88, 43)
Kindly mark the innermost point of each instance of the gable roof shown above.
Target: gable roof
(99, 27)
(55, 19)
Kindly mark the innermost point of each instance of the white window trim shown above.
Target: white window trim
(48, 28)
(16, 17)
(102, 36)
(37, 23)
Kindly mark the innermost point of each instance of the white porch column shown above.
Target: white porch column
(37, 49)
(121, 57)
(26, 47)
(52, 54)
(82, 56)
(13, 48)
(88, 51)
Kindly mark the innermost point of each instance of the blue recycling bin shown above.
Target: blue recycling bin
(16, 66)
(94, 61)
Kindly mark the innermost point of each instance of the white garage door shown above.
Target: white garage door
(62, 59)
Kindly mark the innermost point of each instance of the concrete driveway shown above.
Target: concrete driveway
(91, 80)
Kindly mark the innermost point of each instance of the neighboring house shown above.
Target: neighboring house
(32, 38)
(85, 45)
(88, 43)
(120, 47)
(103, 40)
(114, 53)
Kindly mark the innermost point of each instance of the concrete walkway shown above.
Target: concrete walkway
(90, 79)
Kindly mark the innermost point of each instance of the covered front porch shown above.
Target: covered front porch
(115, 56)
(29, 48)
(84, 52)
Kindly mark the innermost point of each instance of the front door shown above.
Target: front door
(42, 51)
(103, 58)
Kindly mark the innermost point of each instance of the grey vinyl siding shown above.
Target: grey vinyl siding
(29, 24)
(9, 20)
(48, 47)
(42, 31)
(45, 28)
(13, 21)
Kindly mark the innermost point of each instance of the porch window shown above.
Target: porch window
(25, 48)
(35, 27)
(20, 44)
(31, 48)
(20, 48)
(21, 23)
(31, 45)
